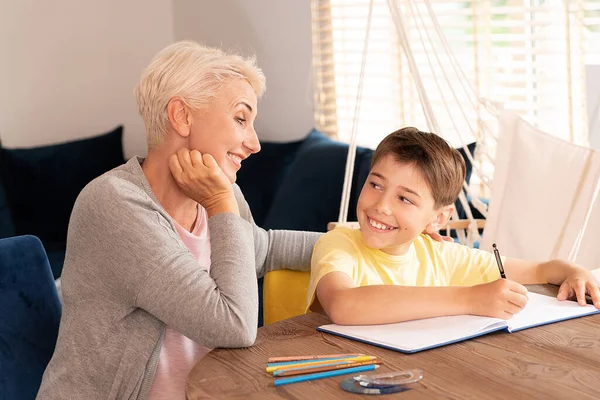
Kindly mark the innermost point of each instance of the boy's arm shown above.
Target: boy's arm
(574, 280)
(380, 304)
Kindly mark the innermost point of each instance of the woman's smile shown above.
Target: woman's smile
(235, 159)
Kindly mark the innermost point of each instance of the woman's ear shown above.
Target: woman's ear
(179, 116)
(442, 218)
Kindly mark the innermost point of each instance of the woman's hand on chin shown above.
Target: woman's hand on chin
(200, 178)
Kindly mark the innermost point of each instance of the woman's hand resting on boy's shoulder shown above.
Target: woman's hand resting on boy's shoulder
(440, 238)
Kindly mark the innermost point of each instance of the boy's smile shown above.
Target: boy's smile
(395, 206)
(379, 226)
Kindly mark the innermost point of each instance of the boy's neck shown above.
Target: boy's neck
(398, 250)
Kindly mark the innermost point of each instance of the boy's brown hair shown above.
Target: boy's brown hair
(442, 166)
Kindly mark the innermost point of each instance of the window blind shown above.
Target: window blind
(525, 55)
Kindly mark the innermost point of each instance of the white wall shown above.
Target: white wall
(68, 67)
(279, 33)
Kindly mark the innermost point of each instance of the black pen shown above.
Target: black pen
(499, 261)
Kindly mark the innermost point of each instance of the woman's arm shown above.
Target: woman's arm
(219, 309)
(133, 256)
(278, 249)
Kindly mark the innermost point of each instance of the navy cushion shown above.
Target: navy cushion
(7, 227)
(471, 147)
(310, 195)
(459, 208)
(30, 313)
(262, 174)
(42, 183)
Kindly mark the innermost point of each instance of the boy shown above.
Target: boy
(391, 271)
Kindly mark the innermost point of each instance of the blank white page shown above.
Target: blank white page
(420, 334)
(541, 310)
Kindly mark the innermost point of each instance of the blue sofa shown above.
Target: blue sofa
(30, 312)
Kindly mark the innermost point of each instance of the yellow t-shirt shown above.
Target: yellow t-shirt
(427, 263)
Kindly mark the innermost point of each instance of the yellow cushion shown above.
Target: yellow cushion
(284, 295)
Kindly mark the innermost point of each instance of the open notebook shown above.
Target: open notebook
(414, 336)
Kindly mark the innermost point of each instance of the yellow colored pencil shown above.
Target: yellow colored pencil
(315, 357)
(337, 362)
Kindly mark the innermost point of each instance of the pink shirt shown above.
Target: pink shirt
(179, 353)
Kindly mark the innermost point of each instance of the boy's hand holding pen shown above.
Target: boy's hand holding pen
(501, 298)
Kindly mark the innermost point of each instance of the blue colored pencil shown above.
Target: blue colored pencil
(321, 375)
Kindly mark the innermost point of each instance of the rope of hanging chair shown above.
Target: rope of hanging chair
(473, 232)
(575, 249)
(576, 197)
(447, 79)
(569, 78)
(479, 206)
(428, 111)
(464, 82)
(425, 104)
(470, 93)
(491, 107)
(431, 119)
(347, 187)
(399, 25)
(576, 245)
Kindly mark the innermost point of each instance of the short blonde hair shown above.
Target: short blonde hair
(193, 72)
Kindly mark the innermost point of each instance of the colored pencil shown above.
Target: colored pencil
(306, 364)
(283, 364)
(315, 357)
(326, 374)
(317, 368)
(333, 363)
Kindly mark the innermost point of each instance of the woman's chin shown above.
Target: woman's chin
(230, 174)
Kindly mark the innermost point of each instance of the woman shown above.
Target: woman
(162, 253)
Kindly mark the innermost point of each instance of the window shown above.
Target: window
(527, 55)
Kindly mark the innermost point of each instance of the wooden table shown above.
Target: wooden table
(557, 361)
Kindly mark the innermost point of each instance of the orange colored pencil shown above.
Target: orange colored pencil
(317, 357)
(315, 369)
